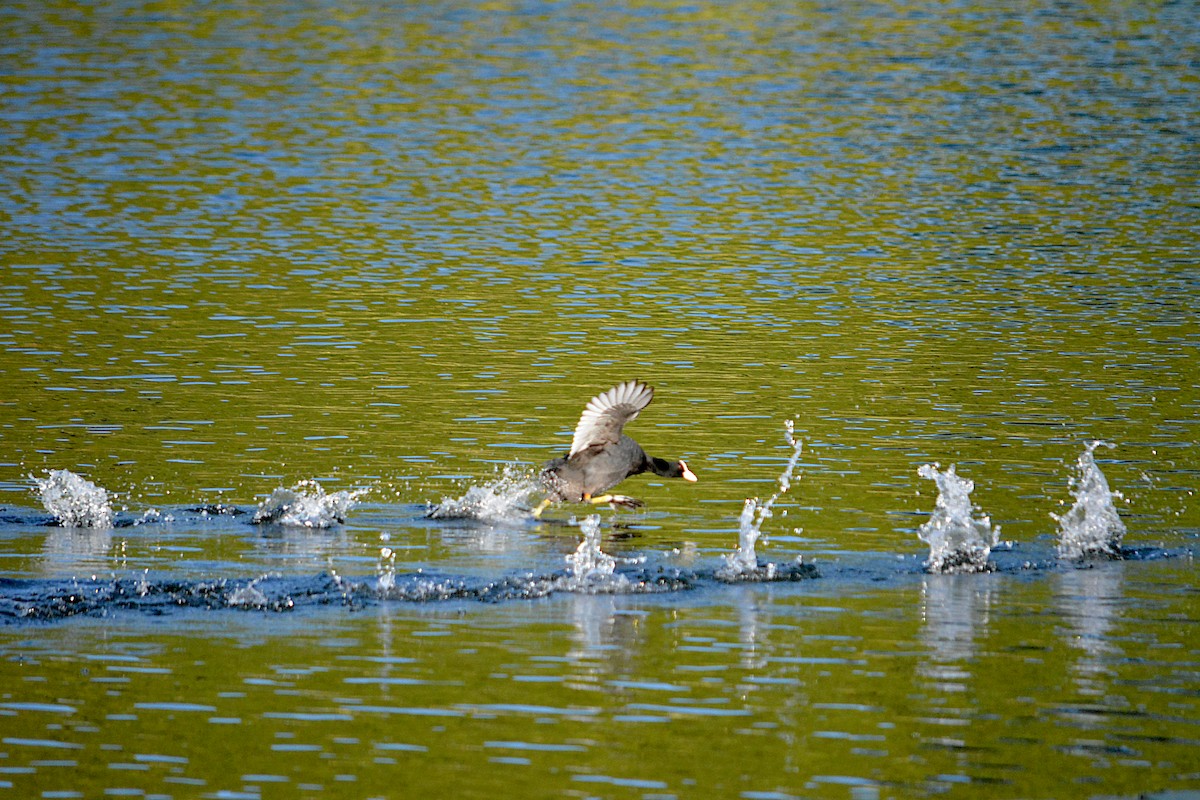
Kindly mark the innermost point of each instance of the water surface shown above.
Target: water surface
(394, 248)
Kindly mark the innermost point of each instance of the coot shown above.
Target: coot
(601, 456)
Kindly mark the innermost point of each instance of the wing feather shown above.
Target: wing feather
(607, 413)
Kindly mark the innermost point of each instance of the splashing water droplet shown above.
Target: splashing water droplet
(506, 497)
(590, 569)
(387, 570)
(743, 561)
(957, 542)
(306, 505)
(1092, 527)
(74, 501)
(248, 596)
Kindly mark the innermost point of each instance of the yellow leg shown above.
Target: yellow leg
(542, 506)
(615, 500)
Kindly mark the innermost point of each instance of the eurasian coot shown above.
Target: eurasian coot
(602, 456)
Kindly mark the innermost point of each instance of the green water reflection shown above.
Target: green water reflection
(758, 691)
(250, 244)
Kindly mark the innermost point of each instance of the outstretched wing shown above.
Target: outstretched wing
(607, 413)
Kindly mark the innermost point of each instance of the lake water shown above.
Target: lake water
(379, 256)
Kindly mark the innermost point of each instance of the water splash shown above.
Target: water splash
(386, 570)
(74, 501)
(743, 563)
(153, 515)
(1092, 527)
(957, 542)
(506, 497)
(306, 505)
(143, 583)
(248, 596)
(590, 569)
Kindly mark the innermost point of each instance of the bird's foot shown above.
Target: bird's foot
(615, 500)
(542, 506)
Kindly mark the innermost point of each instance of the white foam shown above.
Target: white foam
(957, 541)
(248, 596)
(74, 501)
(1092, 526)
(505, 498)
(306, 505)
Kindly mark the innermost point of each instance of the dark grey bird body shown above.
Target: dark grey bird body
(573, 479)
(602, 456)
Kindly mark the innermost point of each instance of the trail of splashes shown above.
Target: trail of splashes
(743, 561)
(1092, 527)
(957, 542)
(306, 505)
(506, 497)
(74, 501)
